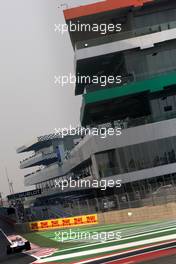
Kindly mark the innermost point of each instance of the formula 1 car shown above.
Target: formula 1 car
(18, 245)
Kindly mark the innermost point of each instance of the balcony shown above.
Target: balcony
(131, 136)
(160, 163)
(38, 159)
(147, 130)
(41, 175)
(119, 42)
(94, 103)
(51, 171)
(125, 35)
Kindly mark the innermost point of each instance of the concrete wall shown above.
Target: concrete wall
(144, 214)
(22, 228)
(138, 215)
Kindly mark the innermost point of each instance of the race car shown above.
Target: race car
(18, 245)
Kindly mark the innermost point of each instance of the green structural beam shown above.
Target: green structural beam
(152, 85)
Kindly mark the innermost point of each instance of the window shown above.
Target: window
(137, 157)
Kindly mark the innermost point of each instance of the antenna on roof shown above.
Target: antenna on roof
(10, 183)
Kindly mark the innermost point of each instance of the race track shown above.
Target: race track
(168, 260)
(6, 229)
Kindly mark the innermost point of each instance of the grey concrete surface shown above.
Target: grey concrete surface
(164, 260)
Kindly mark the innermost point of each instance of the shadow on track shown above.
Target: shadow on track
(19, 258)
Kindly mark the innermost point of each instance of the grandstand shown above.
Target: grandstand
(142, 158)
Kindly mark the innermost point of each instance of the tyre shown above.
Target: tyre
(27, 245)
(9, 250)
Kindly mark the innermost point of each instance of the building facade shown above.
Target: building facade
(143, 103)
(134, 40)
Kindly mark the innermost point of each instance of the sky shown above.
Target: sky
(31, 54)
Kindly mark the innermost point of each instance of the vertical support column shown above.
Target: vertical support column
(70, 209)
(130, 21)
(97, 205)
(79, 207)
(95, 167)
(88, 207)
(118, 161)
(118, 202)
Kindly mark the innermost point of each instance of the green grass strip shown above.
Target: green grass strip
(113, 243)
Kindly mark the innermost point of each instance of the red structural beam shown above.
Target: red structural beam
(100, 7)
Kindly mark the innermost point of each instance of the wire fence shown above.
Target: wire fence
(164, 195)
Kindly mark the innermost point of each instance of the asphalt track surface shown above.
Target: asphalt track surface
(19, 258)
(22, 258)
(3, 245)
(4, 227)
(164, 260)
(114, 259)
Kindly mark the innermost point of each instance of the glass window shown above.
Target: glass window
(137, 157)
(123, 162)
(107, 163)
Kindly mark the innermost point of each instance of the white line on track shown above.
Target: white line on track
(107, 249)
(118, 254)
(125, 238)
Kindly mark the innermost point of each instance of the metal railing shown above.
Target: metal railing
(143, 120)
(40, 156)
(133, 122)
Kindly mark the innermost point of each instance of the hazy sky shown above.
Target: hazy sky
(31, 53)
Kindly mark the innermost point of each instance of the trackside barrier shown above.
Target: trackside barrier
(8, 220)
(139, 215)
(127, 216)
(64, 222)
